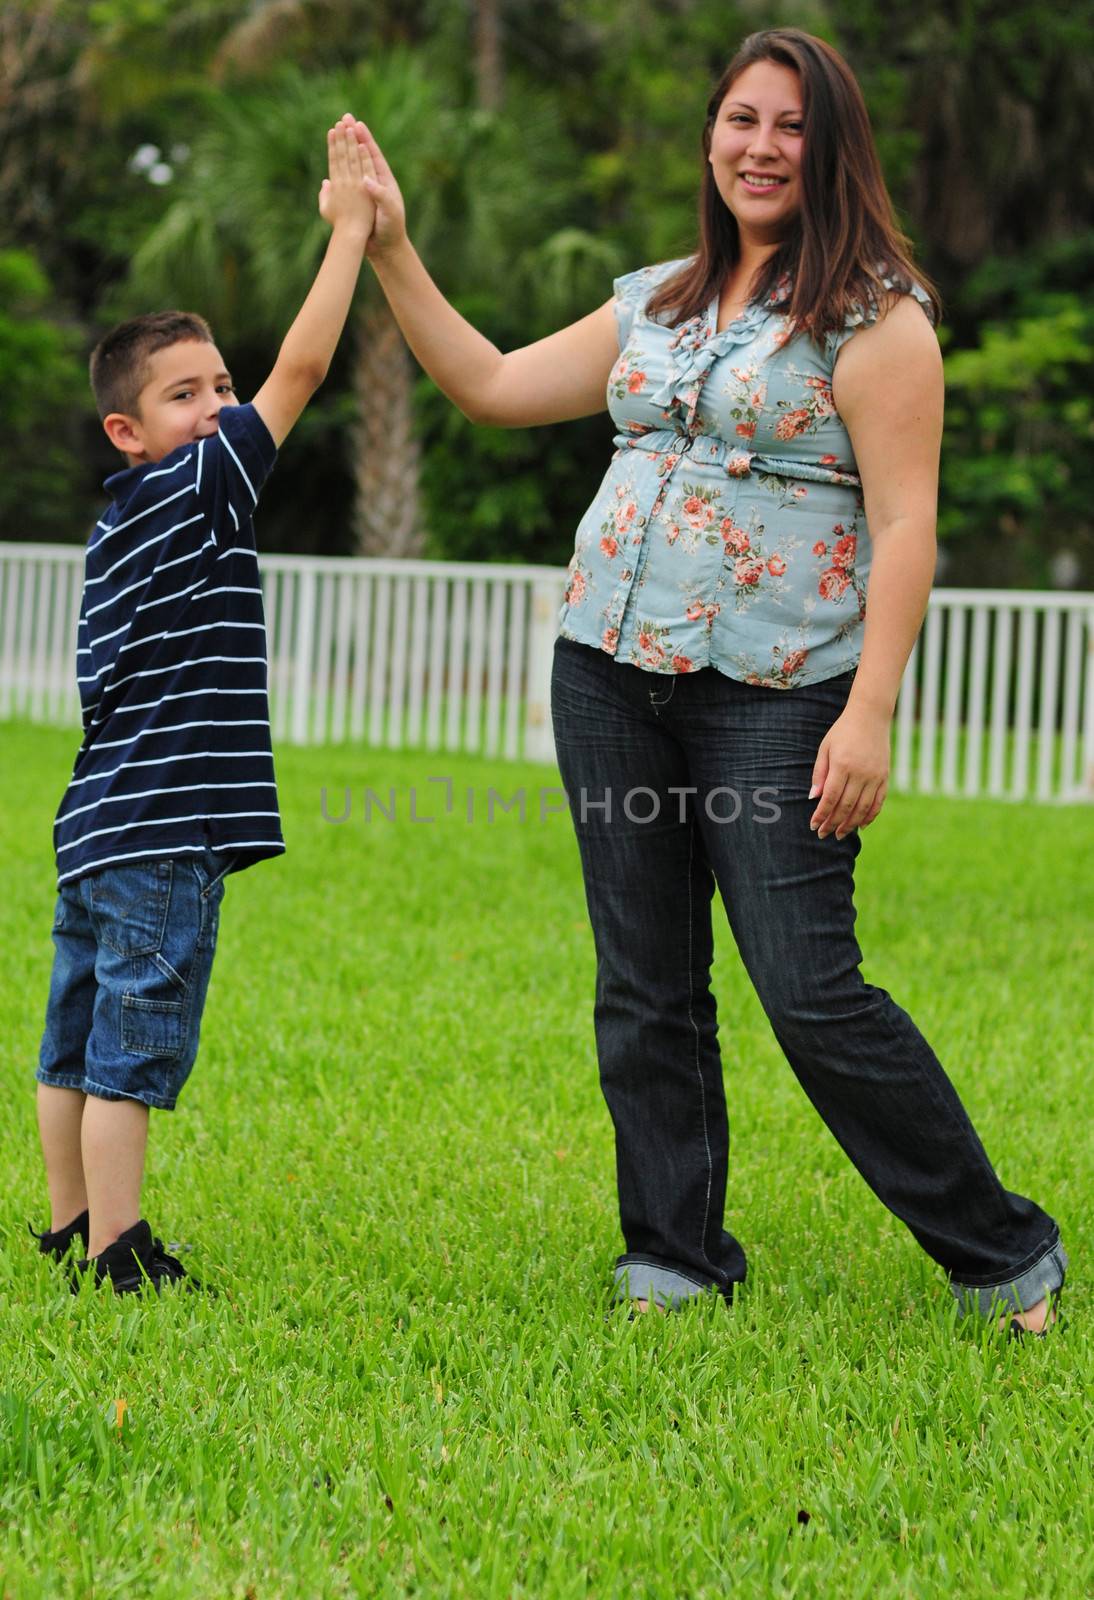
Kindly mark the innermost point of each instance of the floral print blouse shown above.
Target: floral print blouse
(729, 528)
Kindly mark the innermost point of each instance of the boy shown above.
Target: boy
(173, 787)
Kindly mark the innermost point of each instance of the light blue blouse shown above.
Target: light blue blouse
(729, 528)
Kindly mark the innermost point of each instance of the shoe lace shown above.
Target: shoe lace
(169, 1265)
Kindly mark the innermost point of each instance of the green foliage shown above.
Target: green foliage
(241, 236)
(502, 494)
(1018, 467)
(43, 393)
(241, 240)
(590, 169)
(126, 16)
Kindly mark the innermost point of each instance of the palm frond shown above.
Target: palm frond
(187, 262)
(570, 273)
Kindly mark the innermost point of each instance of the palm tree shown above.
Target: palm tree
(242, 239)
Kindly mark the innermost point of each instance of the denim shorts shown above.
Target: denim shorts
(134, 948)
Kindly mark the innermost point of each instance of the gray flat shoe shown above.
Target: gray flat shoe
(1055, 1322)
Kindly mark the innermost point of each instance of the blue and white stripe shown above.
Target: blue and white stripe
(154, 776)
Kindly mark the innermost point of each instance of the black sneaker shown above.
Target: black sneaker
(60, 1242)
(134, 1259)
(171, 1269)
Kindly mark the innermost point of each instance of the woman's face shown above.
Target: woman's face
(755, 149)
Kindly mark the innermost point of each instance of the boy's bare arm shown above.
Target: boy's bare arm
(306, 352)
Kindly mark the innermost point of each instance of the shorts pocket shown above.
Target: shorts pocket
(152, 1027)
(129, 906)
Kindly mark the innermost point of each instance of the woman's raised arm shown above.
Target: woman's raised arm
(554, 380)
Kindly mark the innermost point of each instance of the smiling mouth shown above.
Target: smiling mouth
(757, 180)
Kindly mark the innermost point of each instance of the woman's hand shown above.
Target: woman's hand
(851, 772)
(389, 229)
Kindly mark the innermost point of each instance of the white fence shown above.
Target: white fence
(998, 697)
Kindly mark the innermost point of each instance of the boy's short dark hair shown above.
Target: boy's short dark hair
(119, 362)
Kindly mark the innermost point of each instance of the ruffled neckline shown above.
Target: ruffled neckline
(696, 346)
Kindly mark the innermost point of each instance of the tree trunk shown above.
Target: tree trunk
(387, 516)
(487, 54)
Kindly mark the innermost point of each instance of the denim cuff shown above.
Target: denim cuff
(642, 1280)
(1043, 1278)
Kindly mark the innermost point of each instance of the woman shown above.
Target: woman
(722, 694)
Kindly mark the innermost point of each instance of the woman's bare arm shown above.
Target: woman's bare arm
(888, 390)
(556, 379)
(887, 387)
(553, 380)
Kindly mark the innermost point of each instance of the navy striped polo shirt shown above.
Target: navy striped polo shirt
(171, 664)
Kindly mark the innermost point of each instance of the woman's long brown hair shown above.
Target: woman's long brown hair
(845, 238)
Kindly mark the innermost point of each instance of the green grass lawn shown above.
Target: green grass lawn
(393, 1161)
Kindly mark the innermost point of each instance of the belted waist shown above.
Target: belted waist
(738, 463)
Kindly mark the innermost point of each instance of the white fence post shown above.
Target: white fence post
(302, 655)
(539, 739)
(978, 693)
(1087, 789)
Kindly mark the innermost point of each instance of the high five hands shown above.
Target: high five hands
(344, 199)
(354, 152)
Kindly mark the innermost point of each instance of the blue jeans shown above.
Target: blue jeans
(133, 950)
(681, 784)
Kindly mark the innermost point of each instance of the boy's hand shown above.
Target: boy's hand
(344, 201)
(305, 355)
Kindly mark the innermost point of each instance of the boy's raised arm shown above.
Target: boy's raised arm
(306, 352)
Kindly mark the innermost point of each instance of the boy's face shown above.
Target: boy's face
(187, 385)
